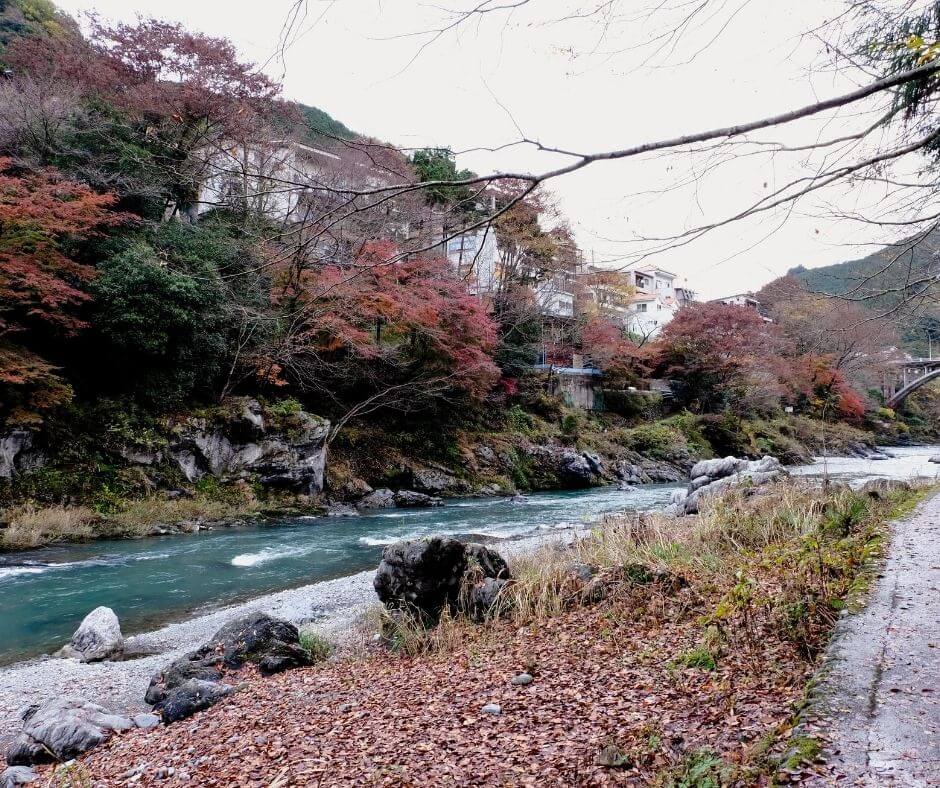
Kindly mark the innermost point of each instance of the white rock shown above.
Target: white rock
(718, 468)
(492, 708)
(97, 638)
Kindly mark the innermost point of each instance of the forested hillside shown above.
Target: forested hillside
(896, 281)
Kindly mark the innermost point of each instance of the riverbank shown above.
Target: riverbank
(685, 665)
(332, 608)
(108, 491)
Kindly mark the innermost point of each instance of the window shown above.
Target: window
(641, 307)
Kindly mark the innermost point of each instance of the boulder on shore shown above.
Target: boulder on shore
(188, 698)
(427, 576)
(257, 638)
(16, 776)
(63, 729)
(97, 638)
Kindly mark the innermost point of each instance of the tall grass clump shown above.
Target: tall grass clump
(31, 526)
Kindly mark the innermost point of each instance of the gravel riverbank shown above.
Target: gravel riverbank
(332, 606)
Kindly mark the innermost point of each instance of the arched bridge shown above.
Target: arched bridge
(903, 378)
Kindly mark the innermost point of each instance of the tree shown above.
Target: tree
(42, 282)
(720, 356)
(855, 341)
(437, 167)
(187, 95)
(607, 345)
(379, 333)
(160, 311)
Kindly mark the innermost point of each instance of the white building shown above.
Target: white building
(656, 300)
(475, 258)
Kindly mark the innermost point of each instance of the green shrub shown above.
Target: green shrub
(318, 647)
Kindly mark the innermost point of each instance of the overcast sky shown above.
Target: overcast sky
(569, 87)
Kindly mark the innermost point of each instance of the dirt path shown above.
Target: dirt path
(879, 699)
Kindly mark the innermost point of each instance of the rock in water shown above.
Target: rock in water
(427, 575)
(412, 498)
(63, 729)
(190, 697)
(97, 638)
(719, 468)
(935, 458)
(383, 498)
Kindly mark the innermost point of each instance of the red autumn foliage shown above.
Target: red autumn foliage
(825, 389)
(401, 316)
(156, 69)
(609, 349)
(39, 213)
(720, 355)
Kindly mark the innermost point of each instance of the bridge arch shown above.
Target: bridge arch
(910, 388)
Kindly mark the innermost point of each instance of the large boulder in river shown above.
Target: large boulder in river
(257, 638)
(427, 575)
(97, 638)
(711, 477)
(411, 498)
(62, 729)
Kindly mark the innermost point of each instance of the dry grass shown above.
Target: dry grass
(137, 517)
(813, 548)
(30, 526)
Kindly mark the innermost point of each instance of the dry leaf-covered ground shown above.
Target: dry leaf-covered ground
(659, 684)
(603, 675)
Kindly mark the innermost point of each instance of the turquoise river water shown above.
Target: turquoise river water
(44, 594)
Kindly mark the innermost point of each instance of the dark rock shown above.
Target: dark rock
(427, 575)
(186, 699)
(270, 643)
(483, 597)
(433, 482)
(63, 729)
(382, 498)
(576, 469)
(195, 665)
(412, 498)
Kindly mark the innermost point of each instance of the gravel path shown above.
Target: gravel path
(879, 699)
(333, 606)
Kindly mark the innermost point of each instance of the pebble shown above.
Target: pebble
(522, 679)
(492, 708)
(165, 772)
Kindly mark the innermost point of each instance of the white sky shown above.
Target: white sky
(468, 90)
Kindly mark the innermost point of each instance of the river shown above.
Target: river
(45, 593)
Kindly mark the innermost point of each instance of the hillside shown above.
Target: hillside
(890, 280)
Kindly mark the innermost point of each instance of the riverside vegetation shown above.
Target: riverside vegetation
(173, 358)
(670, 652)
